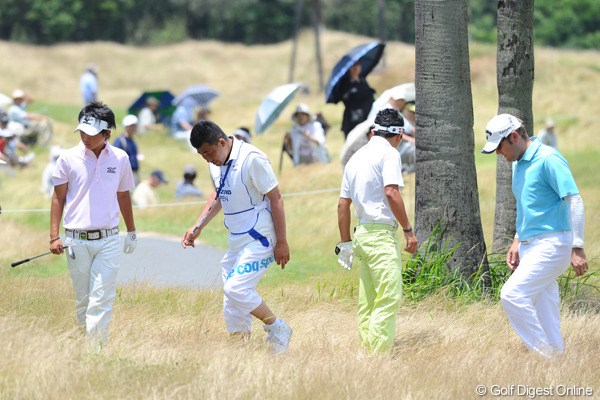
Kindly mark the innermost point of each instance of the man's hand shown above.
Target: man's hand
(56, 246)
(282, 253)
(512, 257)
(189, 236)
(411, 242)
(579, 261)
(345, 254)
(130, 242)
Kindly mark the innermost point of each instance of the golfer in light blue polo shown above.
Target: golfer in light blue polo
(372, 179)
(549, 235)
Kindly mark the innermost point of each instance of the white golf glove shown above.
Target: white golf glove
(130, 242)
(345, 254)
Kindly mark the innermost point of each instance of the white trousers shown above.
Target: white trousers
(242, 271)
(94, 275)
(530, 296)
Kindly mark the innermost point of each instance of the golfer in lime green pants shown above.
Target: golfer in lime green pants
(371, 181)
(380, 287)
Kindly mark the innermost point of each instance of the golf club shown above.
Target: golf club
(16, 263)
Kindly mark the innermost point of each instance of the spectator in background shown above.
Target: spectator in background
(402, 98)
(5, 134)
(27, 126)
(144, 194)
(147, 120)
(186, 187)
(183, 119)
(88, 84)
(357, 97)
(202, 114)
(547, 135)
(47, 185)
(307, 138)
(10, 143)
(243, 133)
(126, 143)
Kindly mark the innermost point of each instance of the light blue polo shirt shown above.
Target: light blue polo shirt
(541, 179)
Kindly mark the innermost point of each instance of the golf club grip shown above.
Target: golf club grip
(16, 263)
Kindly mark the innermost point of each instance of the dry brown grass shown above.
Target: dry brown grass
(170, 343)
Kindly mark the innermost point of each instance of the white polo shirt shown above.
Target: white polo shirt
(367, 173)
(93, 184)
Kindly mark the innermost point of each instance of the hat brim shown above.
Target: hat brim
(490, 147)
(89, 130)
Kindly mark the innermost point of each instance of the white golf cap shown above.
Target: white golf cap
(18, 94)
(130, 120)
(497, 129)
(91, 126)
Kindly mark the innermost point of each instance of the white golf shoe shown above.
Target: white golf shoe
(279, 335)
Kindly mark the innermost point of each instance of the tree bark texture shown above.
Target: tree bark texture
(446, 179)
(514, 74)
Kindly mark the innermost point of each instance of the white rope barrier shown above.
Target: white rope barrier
(186, 203)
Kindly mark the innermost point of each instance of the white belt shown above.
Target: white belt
(91, 234)
(393, 224)
(542, 235)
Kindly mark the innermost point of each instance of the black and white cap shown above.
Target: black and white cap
(497, 129)
(91, 125)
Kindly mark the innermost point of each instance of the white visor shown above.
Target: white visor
(398, 130)
(91, 126)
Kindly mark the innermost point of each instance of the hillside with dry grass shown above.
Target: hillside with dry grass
(170, 342)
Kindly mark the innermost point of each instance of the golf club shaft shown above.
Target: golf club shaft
(17, 263)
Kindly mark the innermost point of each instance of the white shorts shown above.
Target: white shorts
(242, 271)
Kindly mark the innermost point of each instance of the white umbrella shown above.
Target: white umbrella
(198, 95)
(357, 137)
(273, 105)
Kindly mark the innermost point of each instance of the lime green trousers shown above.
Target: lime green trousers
(380, 286)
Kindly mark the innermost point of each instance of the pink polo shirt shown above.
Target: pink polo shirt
(93, 184)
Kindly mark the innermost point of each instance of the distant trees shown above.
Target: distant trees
(558, 22)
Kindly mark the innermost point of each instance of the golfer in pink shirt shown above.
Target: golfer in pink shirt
(91, 186)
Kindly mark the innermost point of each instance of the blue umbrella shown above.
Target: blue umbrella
(164, 110)
(368, 55)
(273, 105)
(199, 95)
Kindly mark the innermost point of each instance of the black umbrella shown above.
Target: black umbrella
(368, 55)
